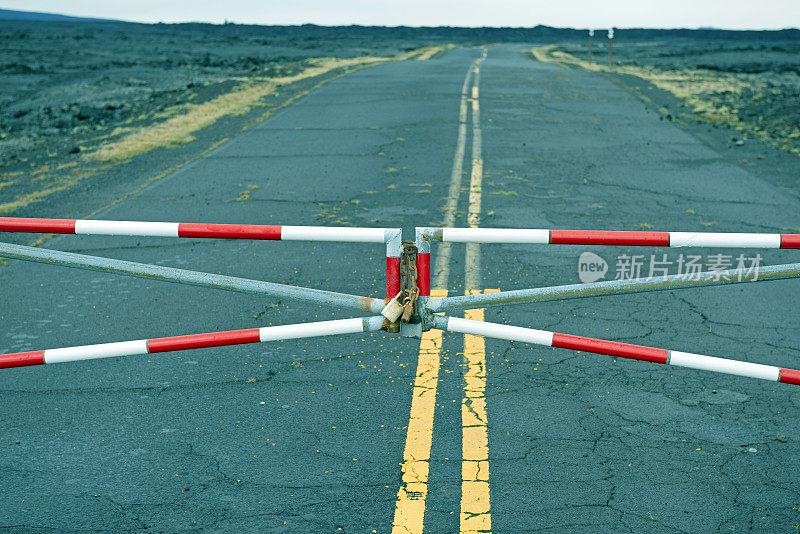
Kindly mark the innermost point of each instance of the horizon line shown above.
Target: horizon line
(298, 24)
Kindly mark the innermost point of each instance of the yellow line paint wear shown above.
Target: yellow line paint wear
(476, 514)
(409, 512)
(442, 270)
(472, 261)
(410, 507)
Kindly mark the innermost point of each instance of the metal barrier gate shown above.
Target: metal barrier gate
(407, 308)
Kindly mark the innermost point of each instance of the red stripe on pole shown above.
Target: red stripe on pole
(199, 341)
(229, 231)
(424, 274)
(790, 376)
(790, 240)
(50, 226)
(611, 348)
(21, 359)
(392, 277)
(601, 237)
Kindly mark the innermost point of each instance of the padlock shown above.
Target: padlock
(408, 310)
(393, 309)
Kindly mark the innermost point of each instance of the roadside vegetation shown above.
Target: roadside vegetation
(752, 87)
(77, 99)
(180, 122)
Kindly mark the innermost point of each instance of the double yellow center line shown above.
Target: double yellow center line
(409, 512)
(475, 514)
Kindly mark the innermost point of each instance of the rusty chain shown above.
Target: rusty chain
(409, 292)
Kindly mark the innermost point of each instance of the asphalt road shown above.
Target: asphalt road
(308, 436)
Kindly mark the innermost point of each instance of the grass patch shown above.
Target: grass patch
(30, 198)
(178, 124)
(179, 129)
(505, 193)
(41, 170)
(428, 52)
(181, 122)
(712, 96)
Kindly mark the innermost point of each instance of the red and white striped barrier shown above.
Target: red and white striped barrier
(219, 231)
(424, 274)
(195, 341)
(622, 350)
(391, 237)
(392, 276)
(622, 238)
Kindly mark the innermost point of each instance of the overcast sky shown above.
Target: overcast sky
(733, 14)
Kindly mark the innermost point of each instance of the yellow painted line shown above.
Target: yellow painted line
(472, 262)
(476, 516)
(409, 514)
(442, 266)
(475, 187)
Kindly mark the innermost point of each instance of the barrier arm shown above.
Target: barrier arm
(194, 341)
(198, 230)
(604, 237)
(390, 237)
(616, 287)
(171, 274)
(617, 349)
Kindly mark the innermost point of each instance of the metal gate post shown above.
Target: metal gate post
(424, 278)
(394, 244)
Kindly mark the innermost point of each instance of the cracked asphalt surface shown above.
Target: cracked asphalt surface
(306, 436)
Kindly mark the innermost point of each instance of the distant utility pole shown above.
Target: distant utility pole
(610, 42)
(591, 38)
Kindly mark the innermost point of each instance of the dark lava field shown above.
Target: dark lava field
(62, 79)
(753, 83)
(68, 87)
